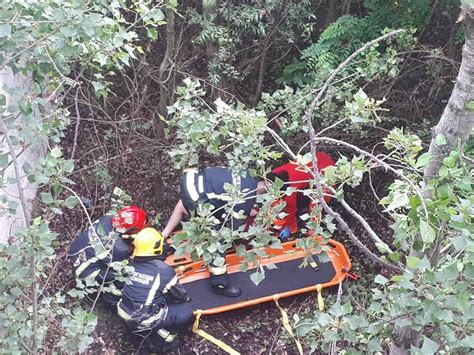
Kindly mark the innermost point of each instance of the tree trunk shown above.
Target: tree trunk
(455, 125)
(457, 121)
(166, 66)
(30, 154)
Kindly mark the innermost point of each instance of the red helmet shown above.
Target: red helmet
(130, 219)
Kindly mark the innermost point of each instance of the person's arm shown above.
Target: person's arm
(177, 216)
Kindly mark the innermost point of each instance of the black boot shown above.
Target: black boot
(228, 290)
(159, 346)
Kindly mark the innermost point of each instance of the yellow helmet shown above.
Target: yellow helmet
(148, 242)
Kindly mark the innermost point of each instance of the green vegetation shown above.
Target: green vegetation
(246, 83)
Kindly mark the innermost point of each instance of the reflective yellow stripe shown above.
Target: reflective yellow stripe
(89, 262)
(166, 335)
(210, 338)
(115, 291)
(286, 324)
(170, 284)
(221, 197)
(125, 316)
(218, 270)
(200, 184)
(190, 185)
(319, 288)
(161, 314)
(122, 314)
(154, 288)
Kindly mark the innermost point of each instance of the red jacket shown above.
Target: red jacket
(298, 177)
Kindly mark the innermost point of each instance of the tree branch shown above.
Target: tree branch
(26, 219)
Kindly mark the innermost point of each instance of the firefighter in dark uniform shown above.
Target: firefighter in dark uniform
(207, 186)
(154, 304)
(92, 253)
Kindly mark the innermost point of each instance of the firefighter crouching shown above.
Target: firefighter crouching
(92, 253)
(154, 304)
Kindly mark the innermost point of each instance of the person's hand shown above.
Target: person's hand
(253, 212)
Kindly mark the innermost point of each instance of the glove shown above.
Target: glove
(285, 233)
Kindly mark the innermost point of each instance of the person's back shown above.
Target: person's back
(93, 252)
(153, 301)
(96, 246)
(213, 191)
(145, 275)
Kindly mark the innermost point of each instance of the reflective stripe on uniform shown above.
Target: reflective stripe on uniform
(218, 270)
(190, 186)
(114, 290)
(170, 284)
(122, 314)
(221, 197)
(154, 288)
(147, 322)
(158, 316)
(89, 262)
(200, 184)
(166, 335)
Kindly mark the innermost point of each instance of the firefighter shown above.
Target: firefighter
(298, 177)
(92, 253)
(154, 304)
(207, 186)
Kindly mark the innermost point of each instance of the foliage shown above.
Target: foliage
(432, 244)
(43, 42)
(344, 101)
(348, 33)
(233, 33)
(430, 295)
(235, 132)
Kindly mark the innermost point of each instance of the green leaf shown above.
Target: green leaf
(257, 277)
(395, 256)
(469, 105)
(429, 346)
(3, 100)
(422, 160)
(271, 266)
(152, 34)
(374, 345)
(412, 262)
(71, 202)
(399, 200)
(56, 152)
(5, 30)
(428, 233)
(98, 86)
(379, 279)
(47, 198)
(3, 160)
(440, 139)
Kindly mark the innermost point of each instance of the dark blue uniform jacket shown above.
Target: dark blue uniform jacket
(208, 186)
(91, 253)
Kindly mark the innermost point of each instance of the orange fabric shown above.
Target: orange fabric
(298, 178)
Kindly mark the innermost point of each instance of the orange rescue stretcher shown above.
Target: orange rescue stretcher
(289, 278)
